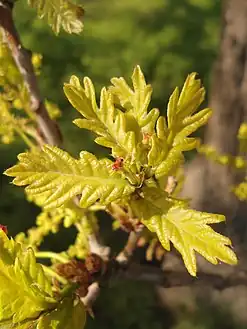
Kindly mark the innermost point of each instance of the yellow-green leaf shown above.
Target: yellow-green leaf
(70, 314)
(60, 13)
(119, 130)
(25, 291)
(58, 178)
(172, 107)
(136, 100)
(187, 229)
(191, 97)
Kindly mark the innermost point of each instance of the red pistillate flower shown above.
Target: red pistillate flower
(4, 228)
(118, 164)
(146, 138)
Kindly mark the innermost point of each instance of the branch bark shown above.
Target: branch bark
(92, 295)
(125, 255)
(22, 57)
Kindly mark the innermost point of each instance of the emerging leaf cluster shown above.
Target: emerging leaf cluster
(147, 149)
(27, 299)
(60, 14)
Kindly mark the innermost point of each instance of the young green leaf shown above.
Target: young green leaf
(181, 123)
(171, 163)
(58, 178)
(136, 101)
(157, 152)
(69, 314)
(25, 291)
(116, 129)
(192, 124)
(191, 97)
(187, 229)
(172, 107)
(60, 13)
(181, 107)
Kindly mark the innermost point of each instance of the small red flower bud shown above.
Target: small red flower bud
(4, 229)
(146, 138)
(118, 164)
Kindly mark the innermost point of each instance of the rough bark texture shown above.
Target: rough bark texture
(207, 183)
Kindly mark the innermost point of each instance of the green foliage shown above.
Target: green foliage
(69, 314)
(27, 299)
(107, 48)
(16, 116)
(187, 229)
(108, 122)
(151, 149)
(13, 95)
(60, 13)
(136, 101)
(25, 290)
(57, 177)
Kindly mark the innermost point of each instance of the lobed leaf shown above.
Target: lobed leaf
(117, 130)
(136, 100)
(191, 97)
(192, 124)
(58, 178)
(187, 229)
(181, 123)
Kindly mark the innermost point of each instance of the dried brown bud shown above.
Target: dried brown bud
(82, 290)
(93, 263)
(74, 271)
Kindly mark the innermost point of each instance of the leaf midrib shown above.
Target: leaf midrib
(111, 181)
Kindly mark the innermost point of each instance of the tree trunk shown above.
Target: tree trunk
(208, 184)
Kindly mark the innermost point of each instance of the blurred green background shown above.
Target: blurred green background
(169, 39)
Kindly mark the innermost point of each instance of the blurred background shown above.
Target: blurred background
(168, 39)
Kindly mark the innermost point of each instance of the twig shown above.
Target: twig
(97, 248)
(125, 255)
(171, 184)
(92, 295)
(22, 57)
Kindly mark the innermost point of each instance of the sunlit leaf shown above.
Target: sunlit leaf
(25, 291)
(58, 177)
(187, 229)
